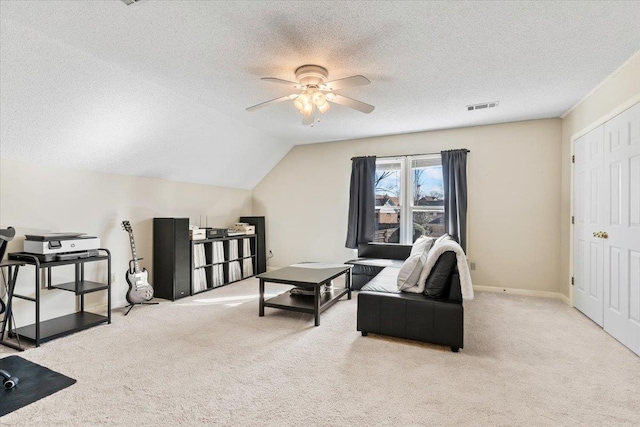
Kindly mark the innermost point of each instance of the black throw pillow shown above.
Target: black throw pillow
(437, 285)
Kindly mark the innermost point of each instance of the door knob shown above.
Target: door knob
(604, 235)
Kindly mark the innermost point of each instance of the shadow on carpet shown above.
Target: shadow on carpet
(35, 382)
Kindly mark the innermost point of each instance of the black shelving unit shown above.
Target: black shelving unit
(42, 331)
(173, 259)
(208, 266)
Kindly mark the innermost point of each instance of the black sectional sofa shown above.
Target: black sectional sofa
(384, 310)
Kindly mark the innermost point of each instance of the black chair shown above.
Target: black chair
(6, 235)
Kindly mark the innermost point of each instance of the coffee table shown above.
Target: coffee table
(310, 275)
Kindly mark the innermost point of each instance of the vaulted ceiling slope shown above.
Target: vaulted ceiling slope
(159, 88)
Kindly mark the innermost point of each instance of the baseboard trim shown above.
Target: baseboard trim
(102, 307)
(565, 299)
(525, 292)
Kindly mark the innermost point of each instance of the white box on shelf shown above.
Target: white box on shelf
(197, 234)
(245, 228)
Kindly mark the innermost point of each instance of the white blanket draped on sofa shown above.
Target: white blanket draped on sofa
(432, 258)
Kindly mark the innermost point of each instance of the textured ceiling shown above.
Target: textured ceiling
(160, 88)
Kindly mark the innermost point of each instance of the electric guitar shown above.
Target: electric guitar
(139, 288)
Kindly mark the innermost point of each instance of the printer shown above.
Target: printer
(60, 246)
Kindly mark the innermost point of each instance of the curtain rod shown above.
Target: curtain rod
(403, 155)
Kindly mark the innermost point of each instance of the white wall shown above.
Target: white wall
(37, 199)
(618, 88)
(514, 194)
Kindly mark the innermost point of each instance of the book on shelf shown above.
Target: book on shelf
(199, 280)
(217, 275)
(235, 273)
(233, 250)
(247, 263)
(199, 256)
(218, 252)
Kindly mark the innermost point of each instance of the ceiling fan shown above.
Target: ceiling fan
(316, 92)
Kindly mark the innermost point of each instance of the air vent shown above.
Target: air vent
(482, 106)
(129, 2)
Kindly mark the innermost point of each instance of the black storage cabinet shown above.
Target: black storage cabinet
(171, 258)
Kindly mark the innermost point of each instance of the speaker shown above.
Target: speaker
(171, 258)
(8, 381)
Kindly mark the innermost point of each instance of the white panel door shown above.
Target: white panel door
(588, 219)
(622, 225)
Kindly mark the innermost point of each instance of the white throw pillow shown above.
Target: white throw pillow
(422, 244)
(410, 270)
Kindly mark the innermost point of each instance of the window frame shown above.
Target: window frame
(406, 196)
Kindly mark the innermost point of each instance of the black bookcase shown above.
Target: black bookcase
(171, 258)
(206, 265)
(176, 274)
(261, 247)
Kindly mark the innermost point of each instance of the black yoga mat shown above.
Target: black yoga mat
(35, 382)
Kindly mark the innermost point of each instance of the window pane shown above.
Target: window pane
(388, 189)
(387, 225)
(426, 187)
(387, 184)
(427, 223)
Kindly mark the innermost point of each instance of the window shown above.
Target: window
(409, 198)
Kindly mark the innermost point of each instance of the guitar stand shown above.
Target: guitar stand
(137, 303)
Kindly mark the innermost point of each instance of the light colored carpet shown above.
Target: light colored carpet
(211, 360)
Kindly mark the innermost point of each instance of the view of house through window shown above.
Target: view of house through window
(409, 198)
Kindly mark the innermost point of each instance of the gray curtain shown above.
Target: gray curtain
(454, 173)
(361, 225)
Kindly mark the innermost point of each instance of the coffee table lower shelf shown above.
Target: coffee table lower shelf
(305, 303)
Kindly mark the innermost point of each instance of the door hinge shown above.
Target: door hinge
(573, 219)
(573, 159)
(572, 281)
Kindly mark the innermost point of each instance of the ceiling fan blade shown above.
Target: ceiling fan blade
(352, 81)
(273, 101)
(307, 120)
(280, 81)
(351, 103)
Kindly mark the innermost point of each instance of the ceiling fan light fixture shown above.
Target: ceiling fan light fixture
(302, 101)
(324, 107)
(307, 110)
(318, 98)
